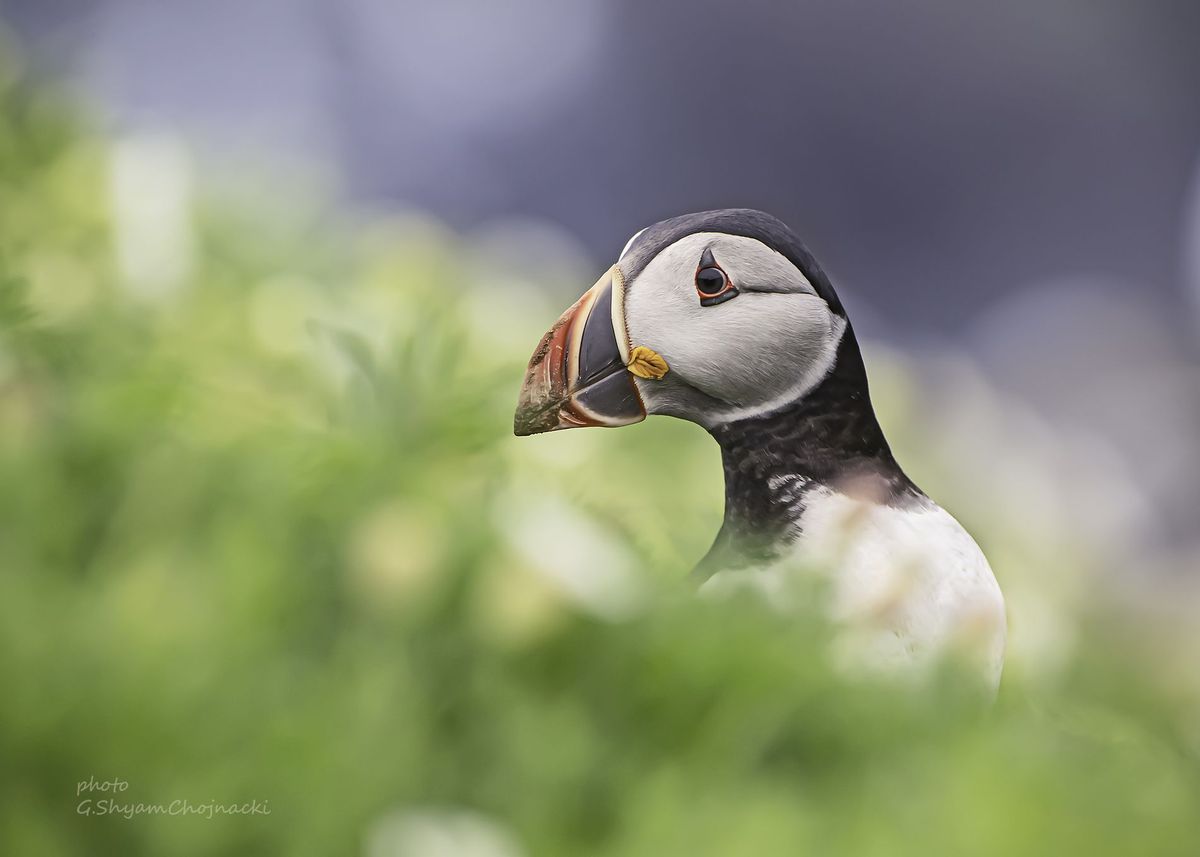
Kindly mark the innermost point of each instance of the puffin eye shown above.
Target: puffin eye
(712, 283)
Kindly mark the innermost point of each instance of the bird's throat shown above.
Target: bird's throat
(828, 438)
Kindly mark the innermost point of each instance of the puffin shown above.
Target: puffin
(725, 319)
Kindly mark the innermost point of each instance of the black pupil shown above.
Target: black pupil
(710, 281)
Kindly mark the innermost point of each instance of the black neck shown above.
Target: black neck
(828, 437)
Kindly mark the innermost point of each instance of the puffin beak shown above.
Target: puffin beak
(577, 375)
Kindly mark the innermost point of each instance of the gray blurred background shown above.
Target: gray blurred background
(1008, 190)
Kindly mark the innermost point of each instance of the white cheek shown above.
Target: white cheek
(757, 349)
(753, 352)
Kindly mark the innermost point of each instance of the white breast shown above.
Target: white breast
(906, 585)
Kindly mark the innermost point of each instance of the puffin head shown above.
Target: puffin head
(715, 317)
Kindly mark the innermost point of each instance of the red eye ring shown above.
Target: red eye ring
(713, 284)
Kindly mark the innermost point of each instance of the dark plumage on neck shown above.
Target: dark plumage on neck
(829, 437)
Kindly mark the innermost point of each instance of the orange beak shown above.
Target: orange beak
(577, 375)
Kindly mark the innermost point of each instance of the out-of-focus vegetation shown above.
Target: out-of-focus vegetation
(265, 536)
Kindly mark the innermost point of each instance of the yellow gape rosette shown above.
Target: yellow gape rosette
(647, 363)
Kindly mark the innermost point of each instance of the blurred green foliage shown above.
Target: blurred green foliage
(257, 543)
